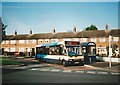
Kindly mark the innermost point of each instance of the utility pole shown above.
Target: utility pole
(110, 50)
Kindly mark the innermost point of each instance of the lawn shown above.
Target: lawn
(7, 61)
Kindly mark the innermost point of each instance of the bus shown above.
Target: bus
(64, 53)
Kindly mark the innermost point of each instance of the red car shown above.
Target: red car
(17, 54)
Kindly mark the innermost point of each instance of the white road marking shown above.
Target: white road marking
(44, 69)
(67, 71)
(79, 71)
(115, 73)
(102, 72)
(34, 69)
(25, 67)
(91, 72)
(36, 65)
(55, 70)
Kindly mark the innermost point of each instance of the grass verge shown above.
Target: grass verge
(7, 61)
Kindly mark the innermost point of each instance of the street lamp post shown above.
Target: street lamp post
(110, 50)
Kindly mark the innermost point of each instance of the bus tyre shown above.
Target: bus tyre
(64, 63)
(40, 60)
(81, 63)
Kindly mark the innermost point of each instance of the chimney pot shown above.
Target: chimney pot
(106, 26)
(74, 30)
(53, 30)
(15, 33)
(30, 31)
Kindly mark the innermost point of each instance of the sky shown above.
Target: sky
(60, 0)
(42, 17)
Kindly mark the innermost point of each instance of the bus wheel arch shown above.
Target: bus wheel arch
(60, 62)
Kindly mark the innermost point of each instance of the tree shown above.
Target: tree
(3, 30)
(114, 47)
(92, 27)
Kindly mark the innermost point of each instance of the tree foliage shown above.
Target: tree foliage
(3, 30)
(92, 27)
(113, 46)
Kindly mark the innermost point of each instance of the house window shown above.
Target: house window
(7, 49)
(55, 40)
(40, 40)
(93, 39)
(33, 41)
(28, 49)
(47, 40)
(3, 42)
(21, 49)
(12, 49)
(21, 41)
(76, 39)
(102, 39)
(7, 42)
(67, 39)
(12, 41)
(27, 41)
(115, 39)
(83, 39)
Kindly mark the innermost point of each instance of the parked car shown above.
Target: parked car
(17, 54)
(99, 59)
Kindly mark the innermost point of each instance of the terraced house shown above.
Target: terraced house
(27, 42)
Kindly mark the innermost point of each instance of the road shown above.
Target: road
(52, 74)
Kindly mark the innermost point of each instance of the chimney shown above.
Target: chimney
(30, 31)
(15, 33)
(74, 29)
(53, 30)
(106, 28)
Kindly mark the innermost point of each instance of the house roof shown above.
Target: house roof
(115, 32)
(7, 37)
(63, 35)
(20, 37)
(92, 33)
(41, 36)
(86, 34)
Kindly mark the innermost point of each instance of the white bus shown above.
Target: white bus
(65, 53)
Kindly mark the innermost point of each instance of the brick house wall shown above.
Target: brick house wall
(41, 39)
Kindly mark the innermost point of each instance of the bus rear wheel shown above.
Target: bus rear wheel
(81, 63)
(64, 63)
(40, 60)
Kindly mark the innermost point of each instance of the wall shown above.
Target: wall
(107, 59)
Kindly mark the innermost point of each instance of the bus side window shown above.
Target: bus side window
(61, 51)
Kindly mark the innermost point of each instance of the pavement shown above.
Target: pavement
(105, 66)
(96, 65)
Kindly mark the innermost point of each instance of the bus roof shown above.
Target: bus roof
(51, 44)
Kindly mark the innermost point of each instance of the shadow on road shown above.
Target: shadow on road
(6, 70)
